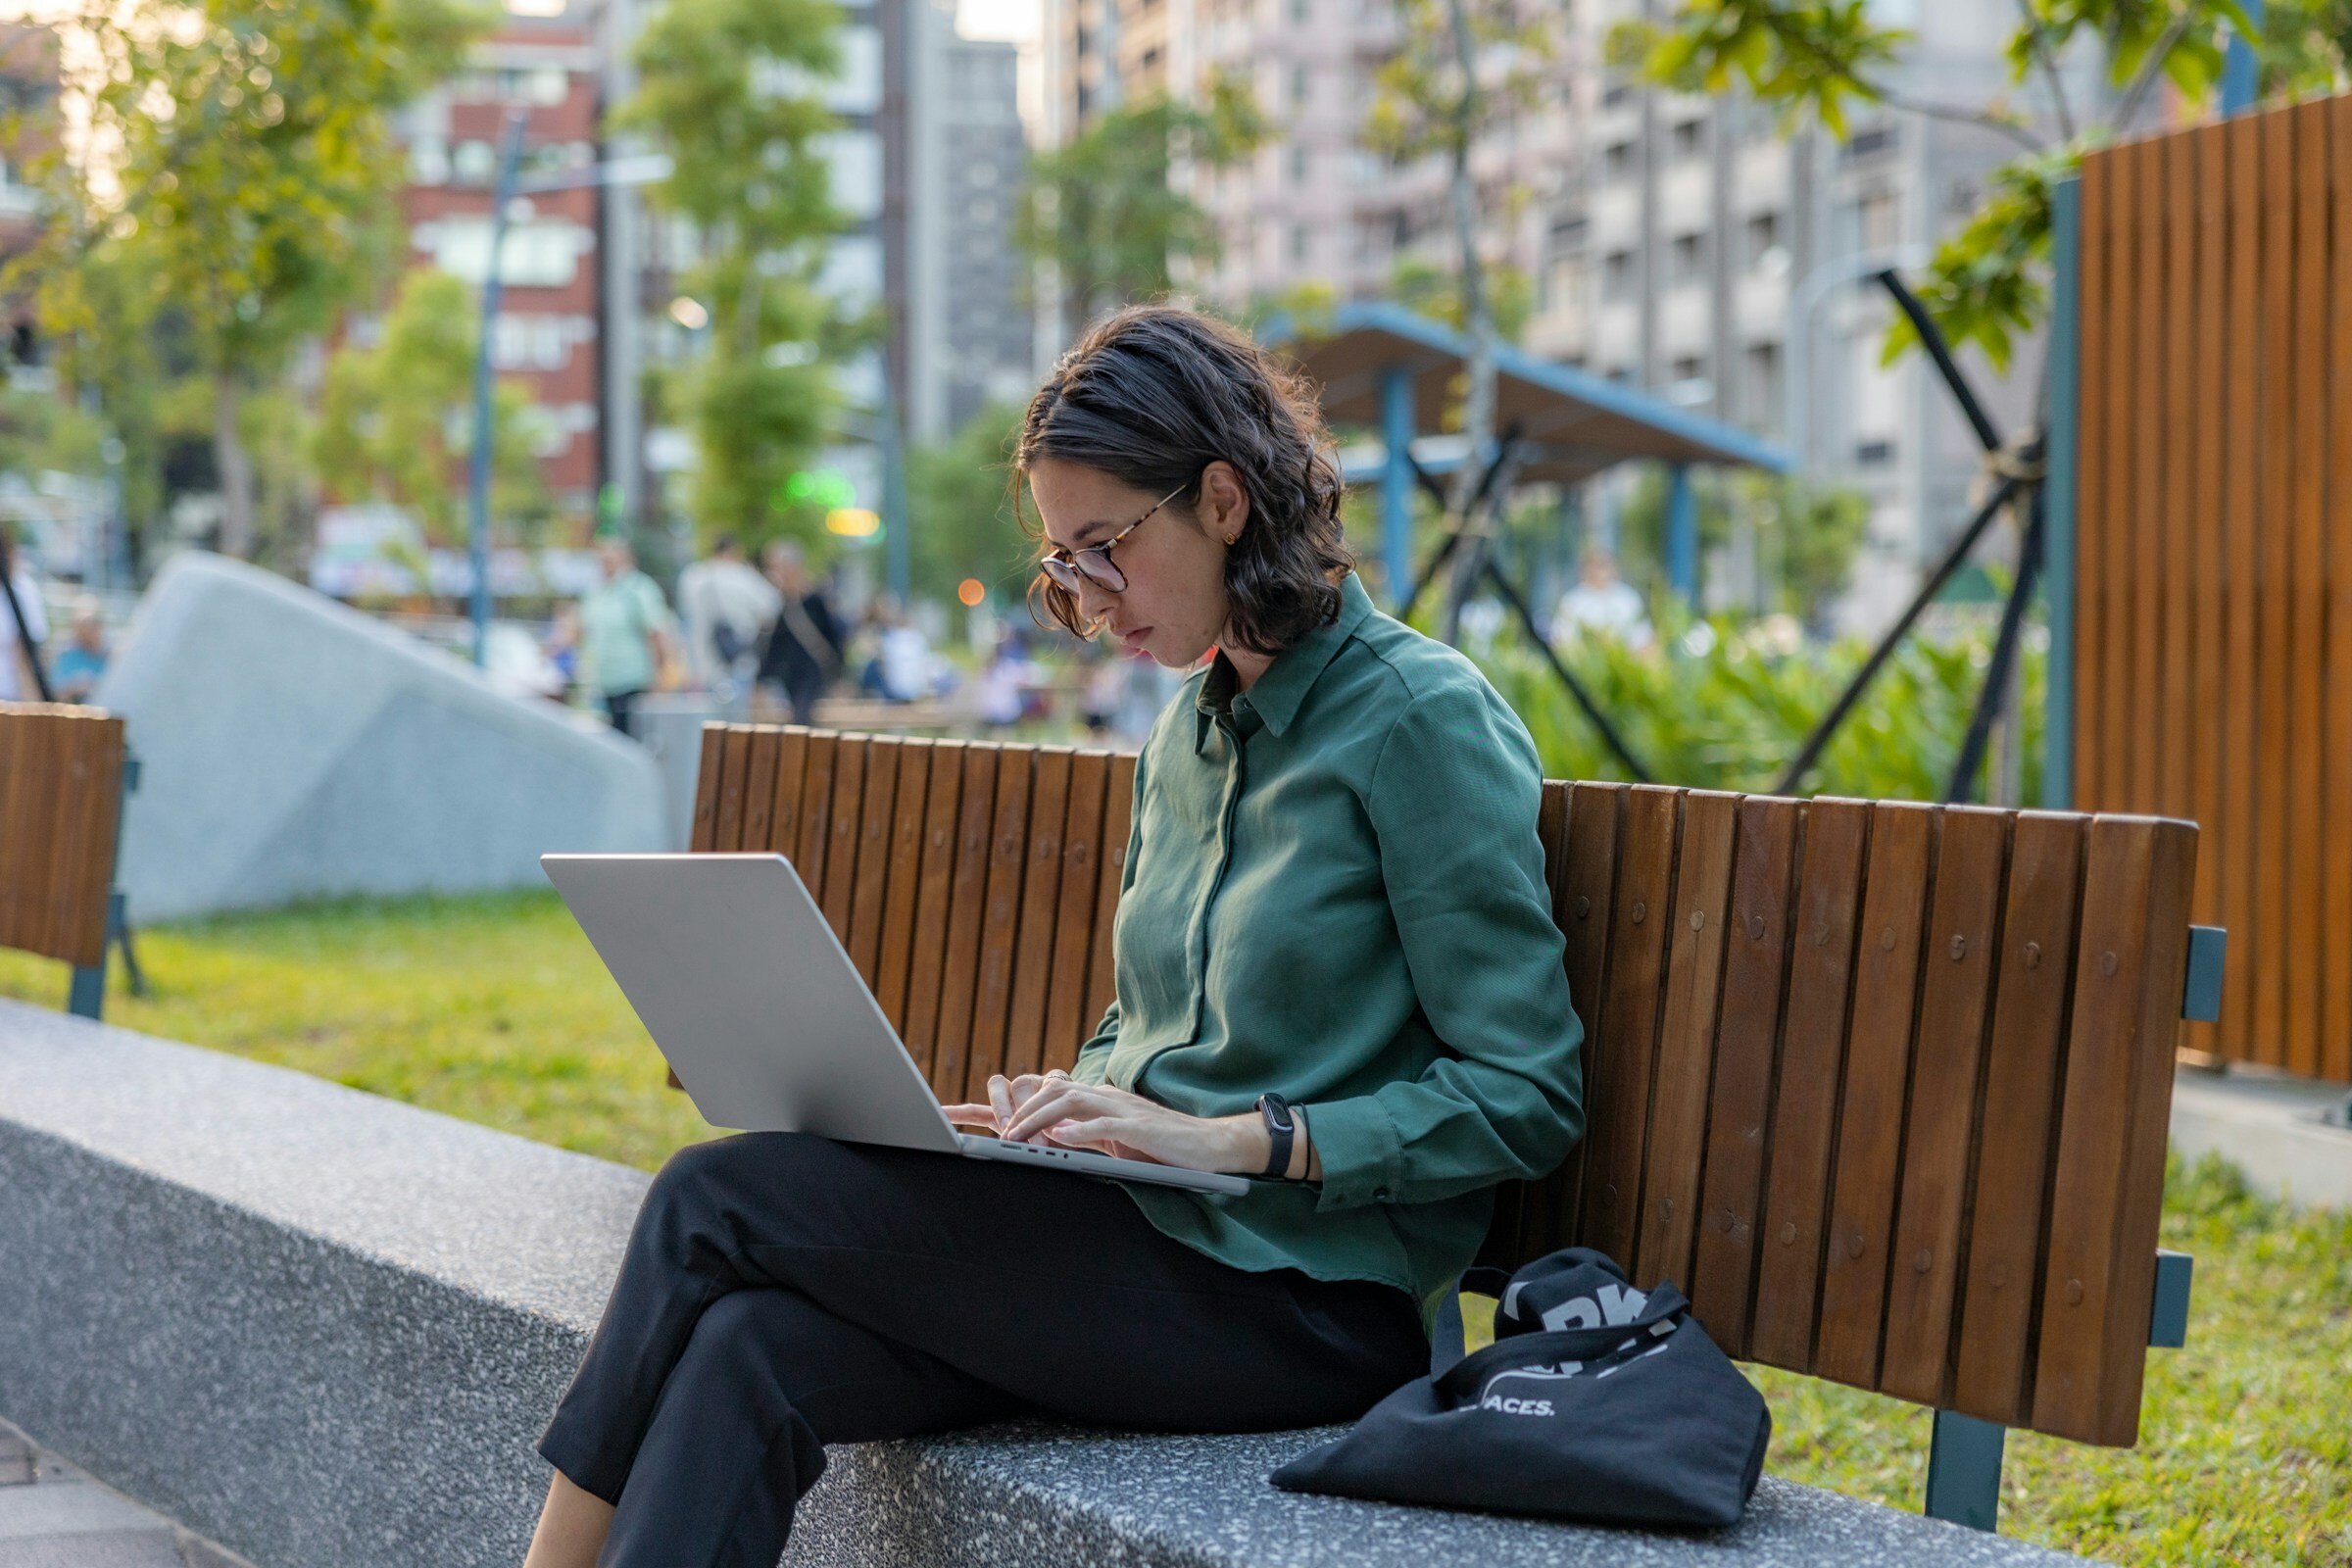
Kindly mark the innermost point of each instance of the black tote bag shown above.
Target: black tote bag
(1624, 1412)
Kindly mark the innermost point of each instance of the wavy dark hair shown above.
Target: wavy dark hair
(1152, 396)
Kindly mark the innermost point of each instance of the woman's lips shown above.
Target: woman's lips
(1135, 639)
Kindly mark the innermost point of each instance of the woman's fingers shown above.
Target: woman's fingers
(970, 1115)
(999, 1099)
(1058, 1098)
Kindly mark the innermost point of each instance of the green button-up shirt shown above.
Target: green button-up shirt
(1334, 891)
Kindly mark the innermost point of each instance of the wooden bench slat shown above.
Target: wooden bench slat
(816, 819)
(1827, 928)
(785, 809)
(1587, 899)
(759, 790)
(47, 760)
(1034, 939)
(1868, 1164)
(1067, 1026)
(2020, 1118)
(843, 821)
(927, 955)
(735, 758)
(1118, 815)
(968, 898)
(710, 772)
(2099, 1255)
(1684, 1075)
(1008, 863)
(1941, 1121)
(1617, 1078)
(1747, 1048)
(76, 903)
(905, 859)
(15, 781)
(876, 814)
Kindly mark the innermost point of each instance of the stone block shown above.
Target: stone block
(325, 1329)
(292, 748)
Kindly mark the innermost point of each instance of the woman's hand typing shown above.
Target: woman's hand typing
(1054, 1107)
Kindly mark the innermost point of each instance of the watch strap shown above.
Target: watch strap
(1283, 1130)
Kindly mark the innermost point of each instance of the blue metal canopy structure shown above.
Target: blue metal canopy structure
(1381, 365)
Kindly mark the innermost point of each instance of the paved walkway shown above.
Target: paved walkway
(54, 1516)
(2272, 1126)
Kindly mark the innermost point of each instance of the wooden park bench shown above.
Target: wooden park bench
(1883, 1086)
(62, 773)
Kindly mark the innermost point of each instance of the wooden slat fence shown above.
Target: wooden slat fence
(2214, 529)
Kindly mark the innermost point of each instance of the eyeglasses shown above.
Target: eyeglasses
(1066, 566)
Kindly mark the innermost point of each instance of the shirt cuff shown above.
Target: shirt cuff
(1363, 1158)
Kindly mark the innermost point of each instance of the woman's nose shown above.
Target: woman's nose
(1093, 600)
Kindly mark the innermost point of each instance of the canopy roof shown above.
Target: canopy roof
(1578, 423)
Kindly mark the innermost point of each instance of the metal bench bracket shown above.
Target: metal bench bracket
(2201, 994)
(2168, 1311)
(1964, 1470)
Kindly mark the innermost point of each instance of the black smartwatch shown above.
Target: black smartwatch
(1281, 1126)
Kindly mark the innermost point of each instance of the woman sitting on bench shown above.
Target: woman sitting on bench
(1337, 971)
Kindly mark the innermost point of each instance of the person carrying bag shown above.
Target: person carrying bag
(1597, 1402)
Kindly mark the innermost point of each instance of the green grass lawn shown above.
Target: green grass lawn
(496, 1009)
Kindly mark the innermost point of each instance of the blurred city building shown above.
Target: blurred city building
(926, 163)
(1675, 242)
(546, 65)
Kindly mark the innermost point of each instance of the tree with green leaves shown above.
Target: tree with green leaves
(733, 91)
(239, 163)
(1821, 59)
(1458, 68)
(961, 508)
(387, 414)
(1102, 212)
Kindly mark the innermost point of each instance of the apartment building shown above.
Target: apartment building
(547, 335)
(1689, 246)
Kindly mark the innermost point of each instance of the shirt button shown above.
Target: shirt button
(1380, 1195)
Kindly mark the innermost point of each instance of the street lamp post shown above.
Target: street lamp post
(1803, 301)
(478, 487)
(508, 187)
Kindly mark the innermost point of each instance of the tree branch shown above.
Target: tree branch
(2037, 42)
(1933, 110)
(2149, 69)
(1896, 99)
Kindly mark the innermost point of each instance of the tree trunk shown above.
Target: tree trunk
(1478, 324)
(235, 466)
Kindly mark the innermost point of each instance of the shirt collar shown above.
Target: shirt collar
(1277, 694)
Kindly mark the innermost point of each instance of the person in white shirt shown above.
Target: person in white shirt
(724, 601)
(16, 682)
(1602, 603)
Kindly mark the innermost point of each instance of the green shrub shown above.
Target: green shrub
(1717, 704)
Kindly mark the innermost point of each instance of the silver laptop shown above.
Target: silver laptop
(738, 977)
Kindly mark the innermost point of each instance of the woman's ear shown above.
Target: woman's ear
(1224, 503)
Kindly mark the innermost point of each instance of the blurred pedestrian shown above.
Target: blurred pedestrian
(78, 664)
(725, 603)
(802, 652)
(1002, 693)
(627, 635)
(564, 648)
(24, 625)
(1601, 602)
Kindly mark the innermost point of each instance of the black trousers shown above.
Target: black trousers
(781, 1292)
